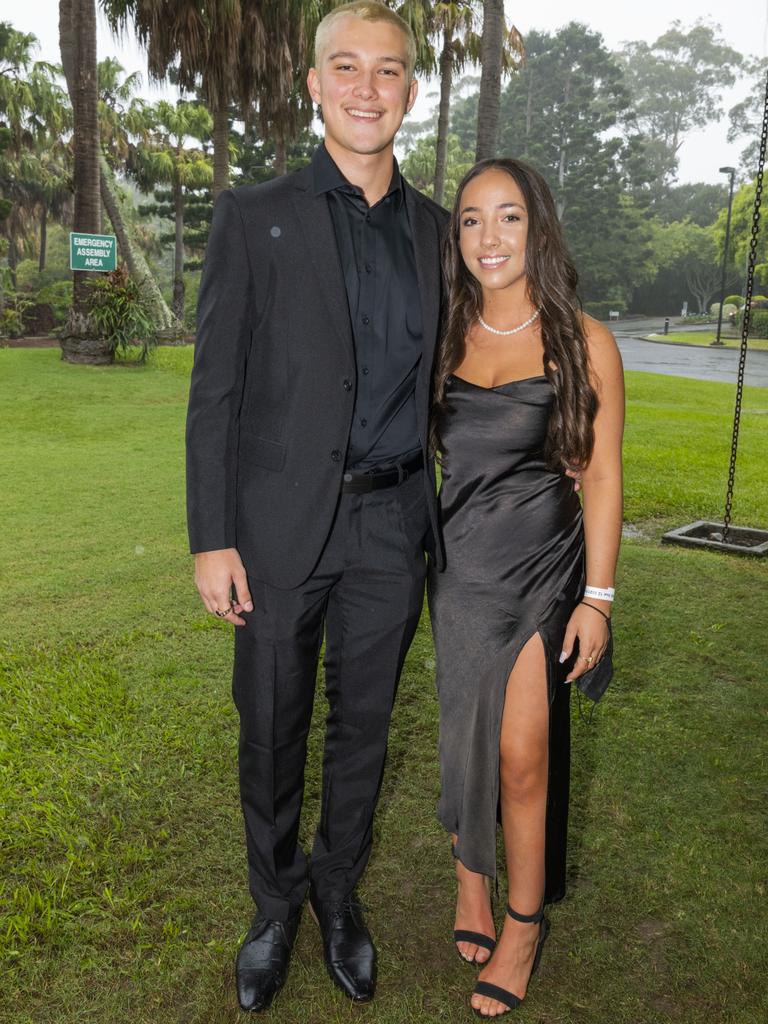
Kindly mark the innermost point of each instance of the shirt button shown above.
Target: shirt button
(366, 371)
(335, 455)
(368, 268)
(366, 320)
(347, 385)
(367, 218)
(363, 423)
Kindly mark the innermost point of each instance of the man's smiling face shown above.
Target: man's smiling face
(362, 84)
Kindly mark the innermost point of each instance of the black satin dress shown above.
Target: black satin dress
(514, 546)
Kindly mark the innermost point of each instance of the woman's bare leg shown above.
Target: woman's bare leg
(524, 762)
(473, 911)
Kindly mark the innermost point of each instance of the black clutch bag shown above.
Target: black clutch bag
(594, 682)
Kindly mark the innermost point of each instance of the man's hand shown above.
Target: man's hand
(216, 572)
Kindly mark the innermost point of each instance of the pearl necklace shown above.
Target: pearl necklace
(515, 330)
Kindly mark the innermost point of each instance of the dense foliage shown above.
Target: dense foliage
(604, 128)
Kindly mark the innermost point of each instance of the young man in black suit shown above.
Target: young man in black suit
(311, 492)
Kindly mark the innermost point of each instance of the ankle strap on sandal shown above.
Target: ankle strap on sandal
(526, 918)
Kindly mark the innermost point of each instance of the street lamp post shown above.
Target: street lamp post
(732, 172)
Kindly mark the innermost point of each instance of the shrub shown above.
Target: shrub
(57, 295)
(728, 310)
(120, 314)
(39, 319)
(12, 315)
(758, 324)
(601, 310)
(734, 300)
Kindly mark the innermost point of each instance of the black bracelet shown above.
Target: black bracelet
(596, 609)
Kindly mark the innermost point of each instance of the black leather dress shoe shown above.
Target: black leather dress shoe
(262, 962)
(350, 955)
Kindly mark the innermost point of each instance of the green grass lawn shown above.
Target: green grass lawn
(123, 891)
(706, 338)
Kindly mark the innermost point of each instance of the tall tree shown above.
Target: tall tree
(746, 117)
(455, 23)
(491, 47)
(169, 159)
(35, 116)
(77, 38)
(562, 113)
(247, 51)
(676, 84)
(124, 123)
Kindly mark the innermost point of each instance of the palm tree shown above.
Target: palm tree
(202, 42)
(33, 164)
(122, 119)
(500, 48)
(166, 159)
(454, 23)
(234, 51)
(77, 39)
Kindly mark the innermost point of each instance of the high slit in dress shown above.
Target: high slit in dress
(514, 544)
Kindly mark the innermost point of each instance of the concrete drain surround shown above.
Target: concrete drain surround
(742, 540)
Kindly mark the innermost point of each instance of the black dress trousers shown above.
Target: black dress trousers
(366, 595)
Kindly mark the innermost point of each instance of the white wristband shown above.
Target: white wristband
(600, 593)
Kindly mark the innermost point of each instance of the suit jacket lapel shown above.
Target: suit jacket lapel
(320, 238)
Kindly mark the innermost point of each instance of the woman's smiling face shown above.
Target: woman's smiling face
(493, 229)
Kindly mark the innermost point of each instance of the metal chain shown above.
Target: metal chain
(747, 315)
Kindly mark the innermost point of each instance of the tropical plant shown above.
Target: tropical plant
(166, 158)
(34, 172)
(247, 51)
(120, 313)
(419, 166)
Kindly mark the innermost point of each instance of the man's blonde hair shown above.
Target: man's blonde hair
(367, 10)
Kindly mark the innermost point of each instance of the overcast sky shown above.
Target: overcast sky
(744, 26)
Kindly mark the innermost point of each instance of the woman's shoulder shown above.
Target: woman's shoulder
(595, 332)
(602, 349)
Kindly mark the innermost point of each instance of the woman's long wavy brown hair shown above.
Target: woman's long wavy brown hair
(551, 281)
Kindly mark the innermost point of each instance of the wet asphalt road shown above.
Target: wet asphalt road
(700, 363)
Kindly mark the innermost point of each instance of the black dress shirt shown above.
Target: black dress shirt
(376, 250)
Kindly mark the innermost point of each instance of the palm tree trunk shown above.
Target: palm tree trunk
(77, 38)
(444, 115)
(164, 320)
(13, 260)
(281, 156)
(220, 151)
(43, 238)
(178, 258)
(489, 102)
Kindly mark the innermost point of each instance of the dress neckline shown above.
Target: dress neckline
(506, 383)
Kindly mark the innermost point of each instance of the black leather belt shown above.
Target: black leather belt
(375, 479)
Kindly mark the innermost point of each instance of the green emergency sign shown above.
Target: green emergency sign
(92, 252)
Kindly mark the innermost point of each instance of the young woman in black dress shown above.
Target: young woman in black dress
(528, 390)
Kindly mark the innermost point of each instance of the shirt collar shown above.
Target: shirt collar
(326, 177)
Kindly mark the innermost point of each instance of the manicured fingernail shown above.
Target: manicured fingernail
(248, 606)
(563, 656)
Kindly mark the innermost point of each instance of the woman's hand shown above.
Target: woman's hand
(591, 630)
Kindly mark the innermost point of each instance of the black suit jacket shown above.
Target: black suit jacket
(269, 416)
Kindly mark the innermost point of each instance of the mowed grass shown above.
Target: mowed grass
(123, 891)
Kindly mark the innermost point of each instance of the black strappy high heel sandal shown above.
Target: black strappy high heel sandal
(477, 938)
(501, 995)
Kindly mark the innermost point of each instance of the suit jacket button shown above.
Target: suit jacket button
(335, 454)
(347, 385)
